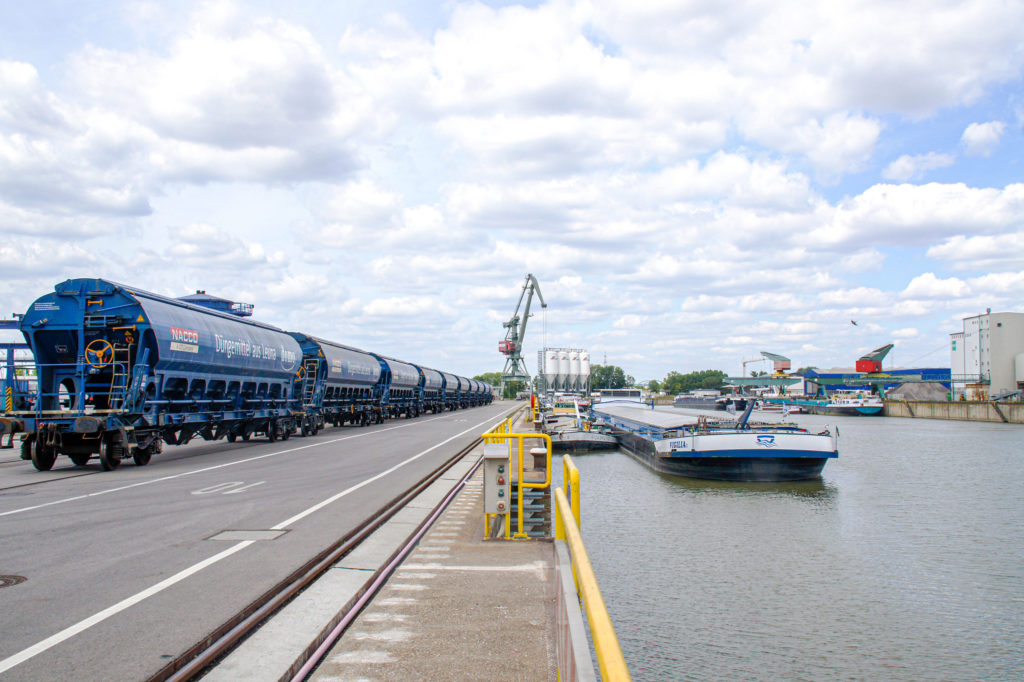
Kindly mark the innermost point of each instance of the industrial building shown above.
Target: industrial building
(987, 357)
(564, 369)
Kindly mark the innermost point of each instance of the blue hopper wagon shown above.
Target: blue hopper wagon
(120, 371)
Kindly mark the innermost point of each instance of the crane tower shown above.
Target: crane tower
(512, 346)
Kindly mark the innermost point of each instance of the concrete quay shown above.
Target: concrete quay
(457, 607)
(975, 411)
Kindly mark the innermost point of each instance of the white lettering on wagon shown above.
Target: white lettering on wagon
(244, 348)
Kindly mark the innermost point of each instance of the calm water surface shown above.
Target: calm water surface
(905, 562)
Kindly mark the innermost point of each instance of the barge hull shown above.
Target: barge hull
(777, 467)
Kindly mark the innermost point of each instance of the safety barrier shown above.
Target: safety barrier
(516, 451)
(567, 529)
(502, 429)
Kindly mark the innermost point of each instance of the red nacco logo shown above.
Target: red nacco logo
(184, 335)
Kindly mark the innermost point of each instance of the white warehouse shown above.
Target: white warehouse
(987, 357)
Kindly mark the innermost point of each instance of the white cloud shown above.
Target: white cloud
(684, 178)
(927, 285)
(985, 252)
(919, 214)
(980, 139)
(201, 245)
(909, 167)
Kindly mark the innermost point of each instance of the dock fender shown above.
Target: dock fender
(87, 424)
(11, 426)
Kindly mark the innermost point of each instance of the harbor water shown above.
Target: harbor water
(904, 562)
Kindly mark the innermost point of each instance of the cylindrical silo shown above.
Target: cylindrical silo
(551, 369)
(584, 371)
(563, 369)
(573, 384)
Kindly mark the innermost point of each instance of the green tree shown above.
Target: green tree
(608, 376)
(653, 386)
(681, 383)
(492, 378)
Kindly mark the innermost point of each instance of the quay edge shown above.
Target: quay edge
(975, 411)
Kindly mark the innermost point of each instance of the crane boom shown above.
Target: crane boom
(512, 346)
(534, 286)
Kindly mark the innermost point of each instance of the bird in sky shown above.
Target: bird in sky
(853, 322)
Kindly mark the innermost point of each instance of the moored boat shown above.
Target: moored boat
(726, 450)
(841, 403)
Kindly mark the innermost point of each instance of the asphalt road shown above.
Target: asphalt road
(123, 570)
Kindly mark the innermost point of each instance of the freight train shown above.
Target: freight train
(121, 371)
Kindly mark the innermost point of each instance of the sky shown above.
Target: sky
(691, 182)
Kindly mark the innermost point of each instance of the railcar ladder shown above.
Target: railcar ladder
(310, 367)
(119, 378)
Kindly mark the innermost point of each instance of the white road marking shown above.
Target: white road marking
(536, 567)
(215, 467)
(217, 488)
(84, 625)
(53, 640)
(334, 498)
(243, 488)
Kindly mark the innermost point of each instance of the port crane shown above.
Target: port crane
(512, 346)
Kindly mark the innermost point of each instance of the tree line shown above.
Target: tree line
(675, 382)
(612, 376)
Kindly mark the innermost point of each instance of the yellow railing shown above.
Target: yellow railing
(571, 484)
(500, 430)
(602, 632)
(505, 436)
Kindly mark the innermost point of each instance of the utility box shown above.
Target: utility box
(497, 479)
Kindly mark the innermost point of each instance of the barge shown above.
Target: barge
(845, 404)
(701, 446)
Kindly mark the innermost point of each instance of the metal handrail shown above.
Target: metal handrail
(498, 436)
(606, 644)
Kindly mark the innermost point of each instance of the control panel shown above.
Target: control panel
(497, 479)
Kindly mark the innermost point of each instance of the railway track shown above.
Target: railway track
(205, 654)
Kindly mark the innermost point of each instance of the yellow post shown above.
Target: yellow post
(571, 484)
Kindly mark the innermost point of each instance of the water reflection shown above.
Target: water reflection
(814, 488)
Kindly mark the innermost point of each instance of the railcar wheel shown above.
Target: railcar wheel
(286, 433)
(245, 436)
(232, 437)
(43, 457)
(80, 460)
(141, 456)
(110, 456)
(304, 430)
(272, 432)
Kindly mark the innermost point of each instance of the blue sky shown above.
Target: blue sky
(691, 182)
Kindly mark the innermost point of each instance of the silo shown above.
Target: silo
(584, 371)
(563, 369)
(551, 369)
(573, 384)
